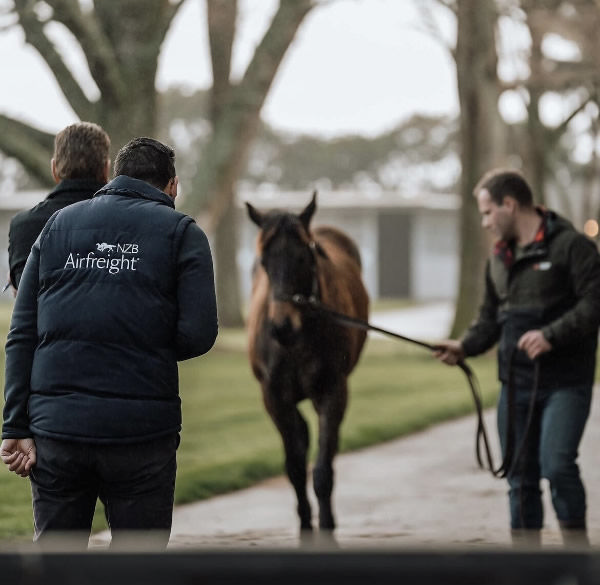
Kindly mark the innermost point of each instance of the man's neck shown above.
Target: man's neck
(528, 224)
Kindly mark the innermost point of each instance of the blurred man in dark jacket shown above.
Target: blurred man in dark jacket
(542, 303)
(80, 166)
(116, 290)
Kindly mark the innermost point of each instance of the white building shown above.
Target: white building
(409, 245)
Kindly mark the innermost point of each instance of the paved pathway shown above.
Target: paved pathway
(423, 490)
(419, 491)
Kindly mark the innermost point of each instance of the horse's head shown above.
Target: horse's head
(286, 252)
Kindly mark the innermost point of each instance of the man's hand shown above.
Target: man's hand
(18, 455)
(449, 351)
(534, 344)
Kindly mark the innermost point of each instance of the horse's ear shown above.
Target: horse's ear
(255, 215)
(308, 211)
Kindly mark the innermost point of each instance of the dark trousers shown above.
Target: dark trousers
(550, 452)
(135, 482)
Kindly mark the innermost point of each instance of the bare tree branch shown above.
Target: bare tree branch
(32, 147)
(431, 27)
(561, 79)
(450, 5)
(36, 37)
(98, 48)
(559, 130)
(236, 126)
(221, 32)
(170, 9)
(98, 51)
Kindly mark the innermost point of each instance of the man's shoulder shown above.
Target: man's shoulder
(38, 214)
(67, 192)
(559, 226)
(563, 234)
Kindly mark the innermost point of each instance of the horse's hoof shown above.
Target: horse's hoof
(326, 521)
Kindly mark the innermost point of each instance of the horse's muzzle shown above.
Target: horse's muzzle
(284, 332)
(285, 322)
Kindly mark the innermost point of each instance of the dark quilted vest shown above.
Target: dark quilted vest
(105, 369)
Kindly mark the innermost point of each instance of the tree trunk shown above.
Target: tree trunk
(227, 279)
(222, 16)
(236, 120)
(482, 141)
(536, 152)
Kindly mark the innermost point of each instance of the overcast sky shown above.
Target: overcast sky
(356, 66)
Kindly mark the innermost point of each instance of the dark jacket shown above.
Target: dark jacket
(26, 225)
(554, 285)
(115, 291)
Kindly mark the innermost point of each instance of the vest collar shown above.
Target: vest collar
(130, 187)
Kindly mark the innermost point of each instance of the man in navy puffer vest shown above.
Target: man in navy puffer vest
(116, 290)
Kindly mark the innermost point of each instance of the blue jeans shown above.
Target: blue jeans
(135, 482)
(550, 452)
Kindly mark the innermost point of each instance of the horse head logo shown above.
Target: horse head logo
(104, 246)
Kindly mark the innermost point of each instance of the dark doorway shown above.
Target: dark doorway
(394, 255)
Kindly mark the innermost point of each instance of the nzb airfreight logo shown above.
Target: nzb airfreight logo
(111, 257)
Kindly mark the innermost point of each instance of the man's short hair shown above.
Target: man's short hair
(501, 182)
(81, 151)
(146, 159)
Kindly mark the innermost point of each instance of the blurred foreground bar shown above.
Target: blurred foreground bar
(264, 567)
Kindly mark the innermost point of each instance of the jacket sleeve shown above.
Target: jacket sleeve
(484, 332)
(583, 318)
(197, 323)
(19, 246)
(20, 348)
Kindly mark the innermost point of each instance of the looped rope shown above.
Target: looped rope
(512, 457)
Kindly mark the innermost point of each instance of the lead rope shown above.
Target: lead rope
(507, 466)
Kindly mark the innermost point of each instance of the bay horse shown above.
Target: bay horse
(297, 353)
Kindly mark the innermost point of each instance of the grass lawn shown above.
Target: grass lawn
(228, 441)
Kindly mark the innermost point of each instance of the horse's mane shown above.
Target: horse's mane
(323, 234)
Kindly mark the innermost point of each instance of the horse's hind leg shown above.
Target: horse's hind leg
(294, 434)
(331, 412)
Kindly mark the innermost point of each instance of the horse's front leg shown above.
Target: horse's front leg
(294, 434)
(331, 410)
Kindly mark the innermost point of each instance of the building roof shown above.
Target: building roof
(272, 198)
(269, 199)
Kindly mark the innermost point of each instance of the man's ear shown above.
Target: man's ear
(171, 188)
(510, 203)
(54, 173)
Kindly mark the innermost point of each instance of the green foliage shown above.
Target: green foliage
(229, 442)
(390, 160)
